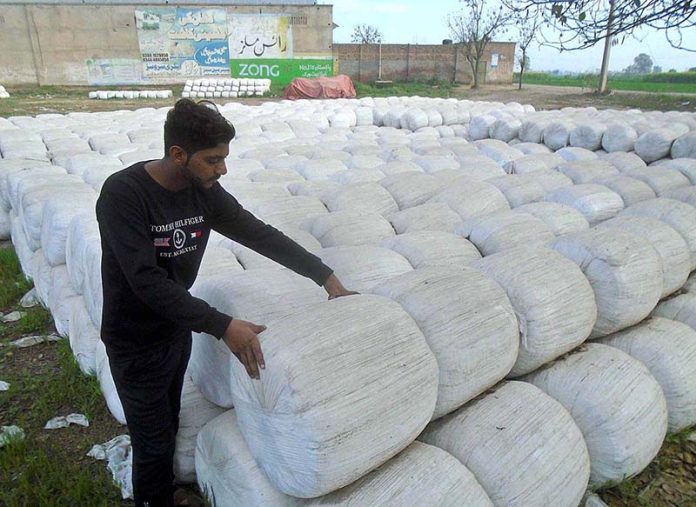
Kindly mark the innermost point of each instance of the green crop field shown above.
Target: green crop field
(666, 82)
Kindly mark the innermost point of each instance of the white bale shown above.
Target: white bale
(81, 161)
(675, 257)
(435, 163)
(549, 179)
(21, 244)
(432, 216)
(561, 219)
(657, 143)
(668, 349)
(624, 162)
(630, 189)
(504, 230)
(363, 267)
(229, 475)
(499, 151)
(92, 284)
(82, 231)
(684, 146)
(625, 273)
(557, 134)
(587, 135)
(289, 211)
(531, 131)
(347, 228)
(469, 324)
(574, 154)
(284, 175)
(469, 198)
(505, 129)
(41, 275)
(257, 296)
(533, 162)
(195, 413)
(690, 285)
(58, 212)
(678, 215)
(11, 166)
(619, 137)
(681, 308)
(686, 166)
(106, 382)
(552, 321)
(320, 169)
(252, 260)
(531, 148)
(217, 260)
(480, 167)
(585, 171)
(318, 189)
(415, 118)
(61, 299)
(595, 202)
(480, 125)
(357, 176)
(616, 402)
(358, 162)
(411, 188)
(660, 179)
(328, 446)
(517, 189)
(83, 338)
(433, 249)
(522, 446)
(368, 197)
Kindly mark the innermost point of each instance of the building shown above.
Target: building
(118, 42)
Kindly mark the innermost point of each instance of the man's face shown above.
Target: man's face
(205, 167)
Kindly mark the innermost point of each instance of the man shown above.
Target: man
(155, 219)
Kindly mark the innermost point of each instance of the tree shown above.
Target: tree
(587, 22)
(528, 25)
(642, 64)
(473, 27)
(366, 34)
(657, 69)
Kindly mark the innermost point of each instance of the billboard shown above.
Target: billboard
(183, 42)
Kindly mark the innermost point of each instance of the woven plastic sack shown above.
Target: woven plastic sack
(625, 273)
(660, 179)
(310, 441)
(616, 402)
(668, 349)
(432, 216)
(518, 190)
(362, 197)
(522, 446)
(587, 135)
(433, 249)
(681, 308)
(106, 382)
(471, 199)
(624, 162)
(505, 230)
(552, 320)
(533, 162)
(561, 219)
(557, 134)
(595, 202)
(656, 144)
(347, 228)
(83, 338)
(411, 189)
(585, 171)
(630, 189)
(619, 137)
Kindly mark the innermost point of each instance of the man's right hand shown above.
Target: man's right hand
(240, 337)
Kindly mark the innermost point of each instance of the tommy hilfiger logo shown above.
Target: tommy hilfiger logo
(196, 234)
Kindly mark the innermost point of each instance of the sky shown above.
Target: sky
(425, 22)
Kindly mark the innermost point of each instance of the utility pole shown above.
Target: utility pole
(603, 75)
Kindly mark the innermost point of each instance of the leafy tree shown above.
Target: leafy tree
(642, 64)
(474, 27)
(528, 25)
(657, 69)
(366, 34)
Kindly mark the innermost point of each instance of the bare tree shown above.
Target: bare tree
(584, 23)
(366, 34)
(473, 27)
(528, 24)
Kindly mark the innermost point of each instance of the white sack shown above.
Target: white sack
(469, 198)
(561, 219)
(518, 190)
(106, 382)
(595, 202)
(433, 249)
(431, 216)
(630, 189)
(84, 338)
(347, 228)
(504, 230)
(619, 137)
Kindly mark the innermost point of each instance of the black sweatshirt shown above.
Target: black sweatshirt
(152, 242)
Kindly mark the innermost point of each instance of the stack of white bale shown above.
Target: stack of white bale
(476, 262)
(130, 94)
(208, 88)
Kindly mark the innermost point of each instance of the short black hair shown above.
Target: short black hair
(196, 126)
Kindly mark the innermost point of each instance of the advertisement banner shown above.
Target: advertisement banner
(114, 71)
(259, 36)
(281, 71)
(183, 42)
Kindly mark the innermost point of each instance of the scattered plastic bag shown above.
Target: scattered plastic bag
(13, 317)
(4, 386)
(10, 434)
(119, 457)
(29, 300)
(65, 421)
(30, 341)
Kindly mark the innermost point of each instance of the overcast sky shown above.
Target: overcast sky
(425, 22)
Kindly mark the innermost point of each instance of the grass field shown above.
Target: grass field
(649, 83)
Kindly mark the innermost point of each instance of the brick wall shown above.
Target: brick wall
(402, 62)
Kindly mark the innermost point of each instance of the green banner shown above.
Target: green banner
(281, 71)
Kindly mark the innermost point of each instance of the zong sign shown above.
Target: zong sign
(282, 71)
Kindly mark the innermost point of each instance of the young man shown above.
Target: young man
(155, 219)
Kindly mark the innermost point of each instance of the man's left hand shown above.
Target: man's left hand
(335, 288)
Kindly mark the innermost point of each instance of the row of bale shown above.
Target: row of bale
(212, 88)
(130, 94)
(526, 327)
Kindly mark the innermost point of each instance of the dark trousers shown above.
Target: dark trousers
(149, 386)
